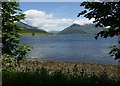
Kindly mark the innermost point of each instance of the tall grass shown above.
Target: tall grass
(42, 76)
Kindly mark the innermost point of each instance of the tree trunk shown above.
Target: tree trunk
(119, 59)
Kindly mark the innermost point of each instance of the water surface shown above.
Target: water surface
(74, 48)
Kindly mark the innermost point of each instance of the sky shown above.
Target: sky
(53, 16)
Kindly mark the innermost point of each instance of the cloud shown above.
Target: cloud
(83, 21)
(48, 22)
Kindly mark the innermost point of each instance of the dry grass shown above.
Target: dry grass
(68, 66)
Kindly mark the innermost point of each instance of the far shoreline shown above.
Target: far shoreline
(82, 62)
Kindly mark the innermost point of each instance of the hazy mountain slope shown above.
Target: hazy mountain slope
(90, 28)
(54, 32)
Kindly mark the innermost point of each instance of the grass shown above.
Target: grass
(56, 65)
(37, 34)
(35, 74)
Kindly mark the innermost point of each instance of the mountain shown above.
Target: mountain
(91, 29)
(81, 29)
(73, 29)
(30, 29)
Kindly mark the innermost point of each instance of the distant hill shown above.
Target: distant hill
(81, 29)
(73, 29)
(54, 32)
(30, 29)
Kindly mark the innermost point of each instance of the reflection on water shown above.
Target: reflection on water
(70, 48)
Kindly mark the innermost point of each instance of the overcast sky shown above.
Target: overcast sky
(53, 16)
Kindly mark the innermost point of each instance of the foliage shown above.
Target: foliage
(115, 52)
(42, 76)
(106, 14)
(8, 63)
(11, 13)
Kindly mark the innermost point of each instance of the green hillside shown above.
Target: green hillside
(31, 31)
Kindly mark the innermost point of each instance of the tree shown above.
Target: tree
(11, 45)
(106, 14)
(33, 34)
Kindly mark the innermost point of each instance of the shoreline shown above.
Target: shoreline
(37, 34)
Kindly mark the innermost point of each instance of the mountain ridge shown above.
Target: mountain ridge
(81, 29)
(73, 29)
